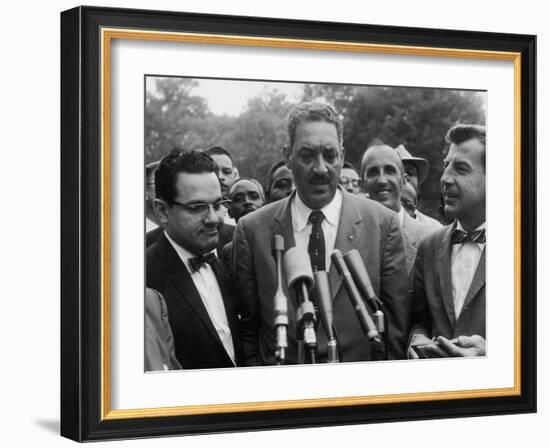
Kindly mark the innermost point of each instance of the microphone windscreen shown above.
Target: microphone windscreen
(358, 271)
(323, 299)
(338, 261)
(297, 267)
(277, 243)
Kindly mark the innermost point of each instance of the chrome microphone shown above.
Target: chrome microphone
(280, 305)
(323, 297)
(360, 276)
(367, 324)
(299, 277)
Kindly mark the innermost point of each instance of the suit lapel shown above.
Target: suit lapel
(184, 283)
(477, 282)
(443, 269)
(349, 232)
(282, 225)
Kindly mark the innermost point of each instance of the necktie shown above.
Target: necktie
(460, 236)
(201, 260)
(316, 247)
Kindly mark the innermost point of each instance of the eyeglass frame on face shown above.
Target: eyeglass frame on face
(347, 181)
(202, 208)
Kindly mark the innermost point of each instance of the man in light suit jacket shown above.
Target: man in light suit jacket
(182, 266)
(315, 156)
(383, 176)
(449, 277)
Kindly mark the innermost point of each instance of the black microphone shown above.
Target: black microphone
(300, 277)
(367, 324)
(279, 301)
(323, 297)
(360, 276)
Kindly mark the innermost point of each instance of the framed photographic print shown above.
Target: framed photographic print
(273, 224)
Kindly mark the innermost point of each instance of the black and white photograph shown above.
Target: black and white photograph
(309, 223)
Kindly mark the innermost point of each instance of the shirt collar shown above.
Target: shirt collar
(183, 253)
(459, 226)
(301, 212)
(401, 215)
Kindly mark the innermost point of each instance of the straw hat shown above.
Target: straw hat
(422, 165)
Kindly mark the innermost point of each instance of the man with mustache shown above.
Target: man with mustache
(319, 217)
(182, 266)
(384, 179)
(449, 277)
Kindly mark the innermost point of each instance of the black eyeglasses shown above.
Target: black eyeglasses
(344, 180)
(202, 209)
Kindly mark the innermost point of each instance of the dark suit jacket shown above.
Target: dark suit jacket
(364, 225)
(225, 236)
(196, 340)
(433, 304)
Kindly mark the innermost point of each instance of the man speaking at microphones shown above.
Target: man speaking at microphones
(318, 218)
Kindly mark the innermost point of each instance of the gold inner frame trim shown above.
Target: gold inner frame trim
(107, 35)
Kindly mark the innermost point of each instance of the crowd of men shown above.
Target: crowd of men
(212, 277)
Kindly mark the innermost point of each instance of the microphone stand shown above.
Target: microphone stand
(280, 303)
(305, 321)
(323, 298)
(361, 277)
(367, 324)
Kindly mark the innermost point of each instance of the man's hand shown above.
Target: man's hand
(462, 345)
(427, 347)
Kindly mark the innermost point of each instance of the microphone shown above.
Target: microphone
(279, 301)
(360, 276)
(367, 324)
(323, 297)
(300, 277)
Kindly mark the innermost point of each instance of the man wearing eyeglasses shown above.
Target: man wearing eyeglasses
(349, 178)
(182, 264)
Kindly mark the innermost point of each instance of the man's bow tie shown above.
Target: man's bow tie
(200, 261)
(460, 236)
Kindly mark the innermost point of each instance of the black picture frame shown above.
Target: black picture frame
(82, 407)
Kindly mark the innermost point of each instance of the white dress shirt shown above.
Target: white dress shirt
(464, 260)
(302, 227)
(150, 225)
(401, 216)
(207, 285)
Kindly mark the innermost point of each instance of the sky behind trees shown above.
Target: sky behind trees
(249, 119)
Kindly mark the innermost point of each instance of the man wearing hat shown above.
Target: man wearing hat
(384, 177)
(417, 170)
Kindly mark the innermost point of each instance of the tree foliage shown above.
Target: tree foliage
(415, 117)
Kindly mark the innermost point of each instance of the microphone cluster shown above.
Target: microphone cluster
(300, 278)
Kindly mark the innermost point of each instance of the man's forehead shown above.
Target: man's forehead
(282, 171)
(349, 172)
(222, 160)
(316, 129)
(471, 149)
(198, 186)
(382, 154)
(244, 186)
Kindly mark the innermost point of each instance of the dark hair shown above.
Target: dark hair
(179, 161)
(349, 166)
(249, 179)
(313, 111)
(220, 150)
(463, 132)
(271, 172)
(150, 167)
